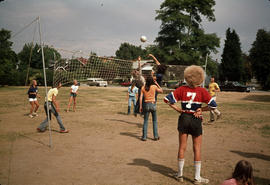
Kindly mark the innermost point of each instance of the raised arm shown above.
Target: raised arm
(156, 61)
(139, 65)
(159, 89)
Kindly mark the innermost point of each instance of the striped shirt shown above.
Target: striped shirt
(191, 98)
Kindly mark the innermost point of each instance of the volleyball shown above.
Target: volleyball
(143, 38)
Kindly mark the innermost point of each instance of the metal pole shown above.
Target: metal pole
(45, 82)
(205, 65)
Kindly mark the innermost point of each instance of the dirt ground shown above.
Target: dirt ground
(104, 146)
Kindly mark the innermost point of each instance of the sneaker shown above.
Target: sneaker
(35, 114)
(156, 138)
(201, 181)
(218, 116)
(31, 116)
(211, 121)
(178, 178)
(64, 131)
(39, 130)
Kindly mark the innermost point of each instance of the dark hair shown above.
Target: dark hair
(133, 84)
(243, 173)
(56, 84)
(149, 81)
(161, 69)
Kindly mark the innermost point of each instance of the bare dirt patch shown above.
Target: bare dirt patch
(104, 146)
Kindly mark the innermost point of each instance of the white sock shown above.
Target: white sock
(197, 165)
(181, 163)
(216, 111)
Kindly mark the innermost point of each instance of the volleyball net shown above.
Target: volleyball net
(66, 70)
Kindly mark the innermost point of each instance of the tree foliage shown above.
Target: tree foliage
(128, 51)
(30, 61)
(8, 59)
(231, 67)
(182, 39)
(260, 58)
(31, 54)
(248, 71)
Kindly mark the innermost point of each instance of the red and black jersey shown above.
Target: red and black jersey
(191, 98)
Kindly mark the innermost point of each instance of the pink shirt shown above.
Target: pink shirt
(229, 182)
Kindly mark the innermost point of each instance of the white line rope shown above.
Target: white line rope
(21, 30)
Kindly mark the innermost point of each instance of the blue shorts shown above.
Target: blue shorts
(73, 95)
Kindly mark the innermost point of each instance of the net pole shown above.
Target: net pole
(205, 69)
(30, 57)
(45, 83)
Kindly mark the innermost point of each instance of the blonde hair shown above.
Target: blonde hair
(194, 75)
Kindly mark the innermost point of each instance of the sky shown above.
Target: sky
(75, 28)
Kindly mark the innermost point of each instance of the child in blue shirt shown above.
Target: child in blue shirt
(132, 95)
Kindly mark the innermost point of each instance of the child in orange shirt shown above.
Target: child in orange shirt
(149, 91)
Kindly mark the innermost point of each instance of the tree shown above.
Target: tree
(128, 51)
(8, 59)
(182, 37)
(231, 67)
(30, 62)
(248, 72)
(31, 54)
(260, 58)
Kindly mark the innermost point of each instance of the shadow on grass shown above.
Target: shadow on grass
(261, 181)
(134, 135)
(34, 140)
(163, 170)
(139, 125)
(122, 113)
(252, 155)
(259, 98)
(130, 135)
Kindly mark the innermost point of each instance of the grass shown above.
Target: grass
(247, 106)
(248, 112)
(101, 112)
(10, 136)
(13, 88)
(265, 130)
